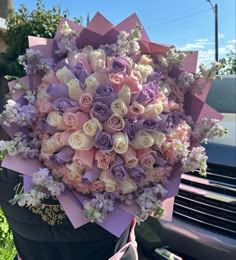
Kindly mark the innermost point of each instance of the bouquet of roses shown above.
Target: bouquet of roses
(106, 121)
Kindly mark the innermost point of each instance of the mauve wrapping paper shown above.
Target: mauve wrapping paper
(101, 31)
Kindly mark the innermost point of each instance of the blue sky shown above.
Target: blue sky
(188, 24)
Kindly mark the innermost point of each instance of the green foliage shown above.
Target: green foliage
(230, 63)
(20, 24)
(7, 248)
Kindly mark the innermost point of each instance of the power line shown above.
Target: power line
(179, 18)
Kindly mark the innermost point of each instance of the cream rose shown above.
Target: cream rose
(55, 119)
(80, 141)
(142, 140)
(159, 138)
(91, 83)
(75, 170)
(125, 94)
(110, 184)
(49, 147)
(152, 111)
(91, 127)
(97, 60)
(145, 70)
(120, 142)
(127, 186)
(65, 75)
(74, 89)
(118, 107)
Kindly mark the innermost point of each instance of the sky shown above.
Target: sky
(187, 24)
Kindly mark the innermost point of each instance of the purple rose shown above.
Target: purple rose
(57, 91)
(63, 156)
(80, 72)
(131, 127)
(107, 48)
(120, 64)
(159, 160)
(62, 104)
(137, 174)
(118, 170)
(100, 111)
(105, 94)
(175, 71)
(148, 93)
(151, 124)
(176, 118)
(165, 124)
(103, 141)
(43, 125)
(155, 76)
(91, 175)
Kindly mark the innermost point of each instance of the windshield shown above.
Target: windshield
(222, 95)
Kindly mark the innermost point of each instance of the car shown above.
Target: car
(204, 217)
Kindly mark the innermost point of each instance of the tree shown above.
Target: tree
(20, 24)
(230, 63)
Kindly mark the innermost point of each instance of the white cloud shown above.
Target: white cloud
(221, 36)
(232, 41)
(196, 44)
(206, 49)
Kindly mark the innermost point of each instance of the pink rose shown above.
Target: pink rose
(104, 160)
(97, 186)
(85, 102)
(50, 78)
(43, 106)
(116, 80)
(135, 110)
(115, 123)
(75, 120)
(134, 81)
(61, 138)
(130, 157)
(84, 159)
(146, 157)
(158, 175)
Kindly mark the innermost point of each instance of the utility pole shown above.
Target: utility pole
(4, 7)
(215, 10)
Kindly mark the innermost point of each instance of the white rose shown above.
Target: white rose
(80, 141)
(91, 127)
(74, 88)
(145, 70)
(55, 119)
(97, 60)
(64, 75)
(142, 140)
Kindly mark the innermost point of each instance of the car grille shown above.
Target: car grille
(211, 200)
